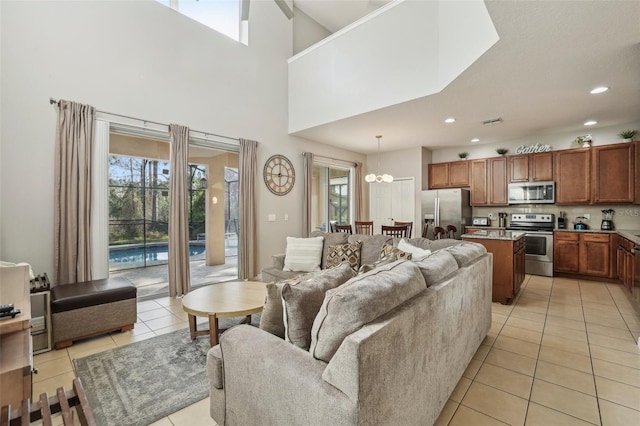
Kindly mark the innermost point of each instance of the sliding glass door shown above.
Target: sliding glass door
(332, 197)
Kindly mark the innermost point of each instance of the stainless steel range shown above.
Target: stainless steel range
(538, 241)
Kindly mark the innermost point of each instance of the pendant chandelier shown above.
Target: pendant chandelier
(372, 177)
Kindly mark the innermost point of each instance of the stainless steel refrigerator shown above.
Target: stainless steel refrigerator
(442, 207)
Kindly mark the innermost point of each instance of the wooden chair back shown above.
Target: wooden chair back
(395, 231)
(439, 233)
(344, 228)
(425, 229)
(451, 231)
(364, 227)
(409, 226)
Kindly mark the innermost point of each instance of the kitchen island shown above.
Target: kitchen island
(508, 248)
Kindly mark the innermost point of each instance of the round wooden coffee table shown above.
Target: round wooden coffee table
(223, 300)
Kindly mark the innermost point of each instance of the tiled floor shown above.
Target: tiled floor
(564, 353)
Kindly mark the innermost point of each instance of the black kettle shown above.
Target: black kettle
(579, 225)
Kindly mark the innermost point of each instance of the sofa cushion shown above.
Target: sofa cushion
(371, 245)
(347, 252)
(466, 252)
(330, 239)
(302, 300)
(417, 253)
(303, 254)
(389, 251)
(361, 300)
(439, 265)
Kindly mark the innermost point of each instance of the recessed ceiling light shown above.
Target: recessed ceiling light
(475, 140)
(590, 122)
(600, 89)
(450, 120)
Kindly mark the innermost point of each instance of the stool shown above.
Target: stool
(90, 308)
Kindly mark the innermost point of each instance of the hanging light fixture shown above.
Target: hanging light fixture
(372, 177)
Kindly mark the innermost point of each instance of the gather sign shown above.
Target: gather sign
(532, 149)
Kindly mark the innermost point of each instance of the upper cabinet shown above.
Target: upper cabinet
(488, 179)
(613, 173)
(573, 178)
(636, 173)
(449, 175)
(531, 167)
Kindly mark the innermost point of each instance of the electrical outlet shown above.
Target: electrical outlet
(490, 216)
(587, 216)
(271, 218)
(286, 216)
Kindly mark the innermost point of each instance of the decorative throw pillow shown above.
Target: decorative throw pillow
(416, 252)
(302, 300)
(348, 252)
(303, 254)
(388, 250)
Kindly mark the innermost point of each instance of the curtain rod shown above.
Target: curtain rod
(335, 160)
(57, 102)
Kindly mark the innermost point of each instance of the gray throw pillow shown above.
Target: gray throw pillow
(439, 265)
(466, 252)
(302, 300)
(361, 300)
(330, 239)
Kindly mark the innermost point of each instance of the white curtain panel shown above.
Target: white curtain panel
(179, 278)
(72, 192)
(248, 167)
(308, 191)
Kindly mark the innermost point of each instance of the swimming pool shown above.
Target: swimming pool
(135, 255)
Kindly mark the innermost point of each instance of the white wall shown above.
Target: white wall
(141, 59)
(306, 31)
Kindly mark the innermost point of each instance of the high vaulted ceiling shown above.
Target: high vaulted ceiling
(537, 78)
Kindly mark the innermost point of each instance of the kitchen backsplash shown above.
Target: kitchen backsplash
(626, 216)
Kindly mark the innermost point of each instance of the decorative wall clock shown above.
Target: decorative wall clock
(279, 175)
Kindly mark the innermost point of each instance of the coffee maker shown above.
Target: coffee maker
(607, 220)
(562, 221)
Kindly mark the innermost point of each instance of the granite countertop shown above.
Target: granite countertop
(496, 235)
(630, 234)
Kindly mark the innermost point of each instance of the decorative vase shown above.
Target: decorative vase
(626, 140)
(586, 144)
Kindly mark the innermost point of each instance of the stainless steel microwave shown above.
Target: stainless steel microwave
(532, 193)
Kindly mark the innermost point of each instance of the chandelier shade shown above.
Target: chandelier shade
(378, 178)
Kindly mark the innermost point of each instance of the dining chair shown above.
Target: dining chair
(409, 226)
(425, 229)
(395, 231)
(439, 233)
(344, 228)
(451, 231)
(364, 227)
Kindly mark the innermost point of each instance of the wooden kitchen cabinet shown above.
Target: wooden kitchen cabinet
(488, 181)
(454, 174)
(613, 173)
(531, 167)
(583, 253)
(636, 173)
(625, 262)
(573, 177)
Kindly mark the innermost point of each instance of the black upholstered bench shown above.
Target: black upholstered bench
(89, 308)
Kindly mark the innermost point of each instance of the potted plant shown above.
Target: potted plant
(502, 151)
(627, 135)
(584, 141)
(463, 155)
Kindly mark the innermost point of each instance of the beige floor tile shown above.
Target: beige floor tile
(498, 318)
(565, 323)
(162, 422)
(460, 389)
(182, 315)
(93, 350)
(495, 327)
(168, 301)
(147, 306)
(51, 384)
(608, 331)
(526, 324)
(158, 323)
(615, 356)
(506, 380)
(573, 346)
(566, 401)
(527, 314)
(447, 413)
(174, 327)
(625, 345)
(482, 352)
(618, 393)
(495, 403)
(606, 305)
(596, 316)
(104, 341)
(54, 367)
(517, 346)
(539, 415)
(521, 334)
(153, 314)
(195, 414)
(128, 337)
(567, 377)
(511, 361)
(472, 369)
(617, 372)
(138, 328)
(52, 354)
(564, 311)
(579, 335)
(465, 416)
(617, 323)
(566, 359)
(617, 415)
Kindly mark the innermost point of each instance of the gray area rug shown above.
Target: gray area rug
(140, 383)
